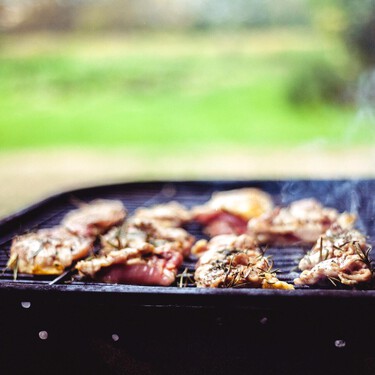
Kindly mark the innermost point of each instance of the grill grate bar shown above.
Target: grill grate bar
(61, 277)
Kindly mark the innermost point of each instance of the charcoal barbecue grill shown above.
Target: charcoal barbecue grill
(64, 325)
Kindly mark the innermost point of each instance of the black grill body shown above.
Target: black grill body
(63, 325)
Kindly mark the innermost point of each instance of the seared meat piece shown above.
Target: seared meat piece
(95, 218)
(334, 243)
(340, 255)
(300, 223)
(139, 231)
(145, 265)
(348, 270)
(47, 251)
(172, 214)
(228, 212)
(231, 261)
(141, 252)
(208, 250)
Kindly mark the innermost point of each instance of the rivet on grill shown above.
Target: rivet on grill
(43, 335)
(340, 344)
(115, 337)
(219, 321)
(26, 304)
(263, 321)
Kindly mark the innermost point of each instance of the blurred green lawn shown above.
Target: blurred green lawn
(163, 91)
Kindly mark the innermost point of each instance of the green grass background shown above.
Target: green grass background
(165, 91)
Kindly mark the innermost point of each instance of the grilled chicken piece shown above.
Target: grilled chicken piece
(228, 212)
(207, 250)
(172, 214)
(340, 255)
(230, 261)
(47, 251)
(95, 218)
(139, 231)
(141, 252)
(144, 265)
(334, 243)
(300, 223)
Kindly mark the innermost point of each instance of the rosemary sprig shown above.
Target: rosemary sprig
(112, 244)
(15, 272)
(364, 255)
(263, 250)
(118, 241)
(269, 269)
(321, 249)
(14, 265)
(236, 281)
(339, 248)
(185, 278)
(228, 271)
(334, 280)
(91, 257)
(121, 235)
(344, 244)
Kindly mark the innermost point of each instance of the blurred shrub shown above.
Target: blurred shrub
(361, 37)
(353, 21)
(318, 81)
(359, 28)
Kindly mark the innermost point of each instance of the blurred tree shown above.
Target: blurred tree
(353, 21)
(318, 81)
(360, 33)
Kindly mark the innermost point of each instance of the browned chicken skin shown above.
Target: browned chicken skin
(47, 251)
(172, 214)
(143, 265)
(144, 230)
(230, 261)
(340, 255)
(94, 218)
(301, 223)
(228, 212)
(143, 251)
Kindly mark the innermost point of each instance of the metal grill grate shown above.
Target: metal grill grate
(344, 195)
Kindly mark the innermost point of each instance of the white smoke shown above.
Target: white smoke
(354, 196)
(364, 122)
